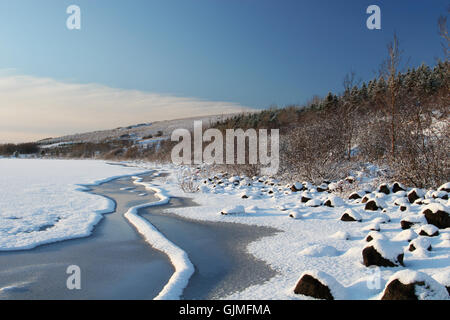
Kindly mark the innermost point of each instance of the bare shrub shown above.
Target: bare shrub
(313, 152)
(188, 180)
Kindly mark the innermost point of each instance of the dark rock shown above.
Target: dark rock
(328, 203)
(425, 234)
(396, 187)
(305, 199)
(354, 196)
(412, 196)
(384, 189)
(350, 180)
(311, 287)
(440, 219)
(440, 195)
(413, 285)
(413, 248)
(295, 189)
(371, 206)
(347, 218)
(365, 199)
(396, 290)
(244, 196)
(371, 257)
(406, 224)
(320, 189)
(369, 238)
(403, 208)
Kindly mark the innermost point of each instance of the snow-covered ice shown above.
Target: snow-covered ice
(41, 202)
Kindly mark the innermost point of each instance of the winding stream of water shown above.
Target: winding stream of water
(116, 263)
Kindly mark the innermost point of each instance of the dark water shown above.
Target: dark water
(117, 264)
(217, 250)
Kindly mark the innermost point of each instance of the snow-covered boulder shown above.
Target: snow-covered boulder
(322, 188)
(384, 188)
(411, 220)
(319, 285)
(382, 218)
(305, 197)
(443, 278)
(233, 210)
(356, 195)
(422, 243)
(314, 203)
(296, 187)
(350, 179)
(319, 250)
(374, 226)
(234, 180)
(401, 202)
(437, 215)
(413, 285)
(445, 187)
(307, 185)
(415, 194)
(295, 214)
(429, 230)
(440, 195)
(244, 195)
(283, 207)
(350, 215)
(340, 235)
(382, 253)
(334, 201)
(375, 235)
(406, 235)
(397, 186)
(374, 205)
(367, 197)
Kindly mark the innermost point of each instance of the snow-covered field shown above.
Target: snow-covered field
(41, 202)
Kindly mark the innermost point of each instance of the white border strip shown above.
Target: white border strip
(184, 269)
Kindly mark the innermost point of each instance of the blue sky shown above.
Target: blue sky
(253, 53)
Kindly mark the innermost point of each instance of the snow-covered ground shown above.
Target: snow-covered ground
(41, 202)
(312, 235)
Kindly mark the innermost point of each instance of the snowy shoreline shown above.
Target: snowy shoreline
(314, 234)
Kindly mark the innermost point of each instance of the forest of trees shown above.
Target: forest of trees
(399, 121)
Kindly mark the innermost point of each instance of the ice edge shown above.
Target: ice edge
(179, 258)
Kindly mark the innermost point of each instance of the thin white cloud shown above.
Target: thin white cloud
(33, 108)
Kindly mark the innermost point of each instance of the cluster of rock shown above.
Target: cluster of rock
(424, 214)
(382, 252)
(403, 285)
